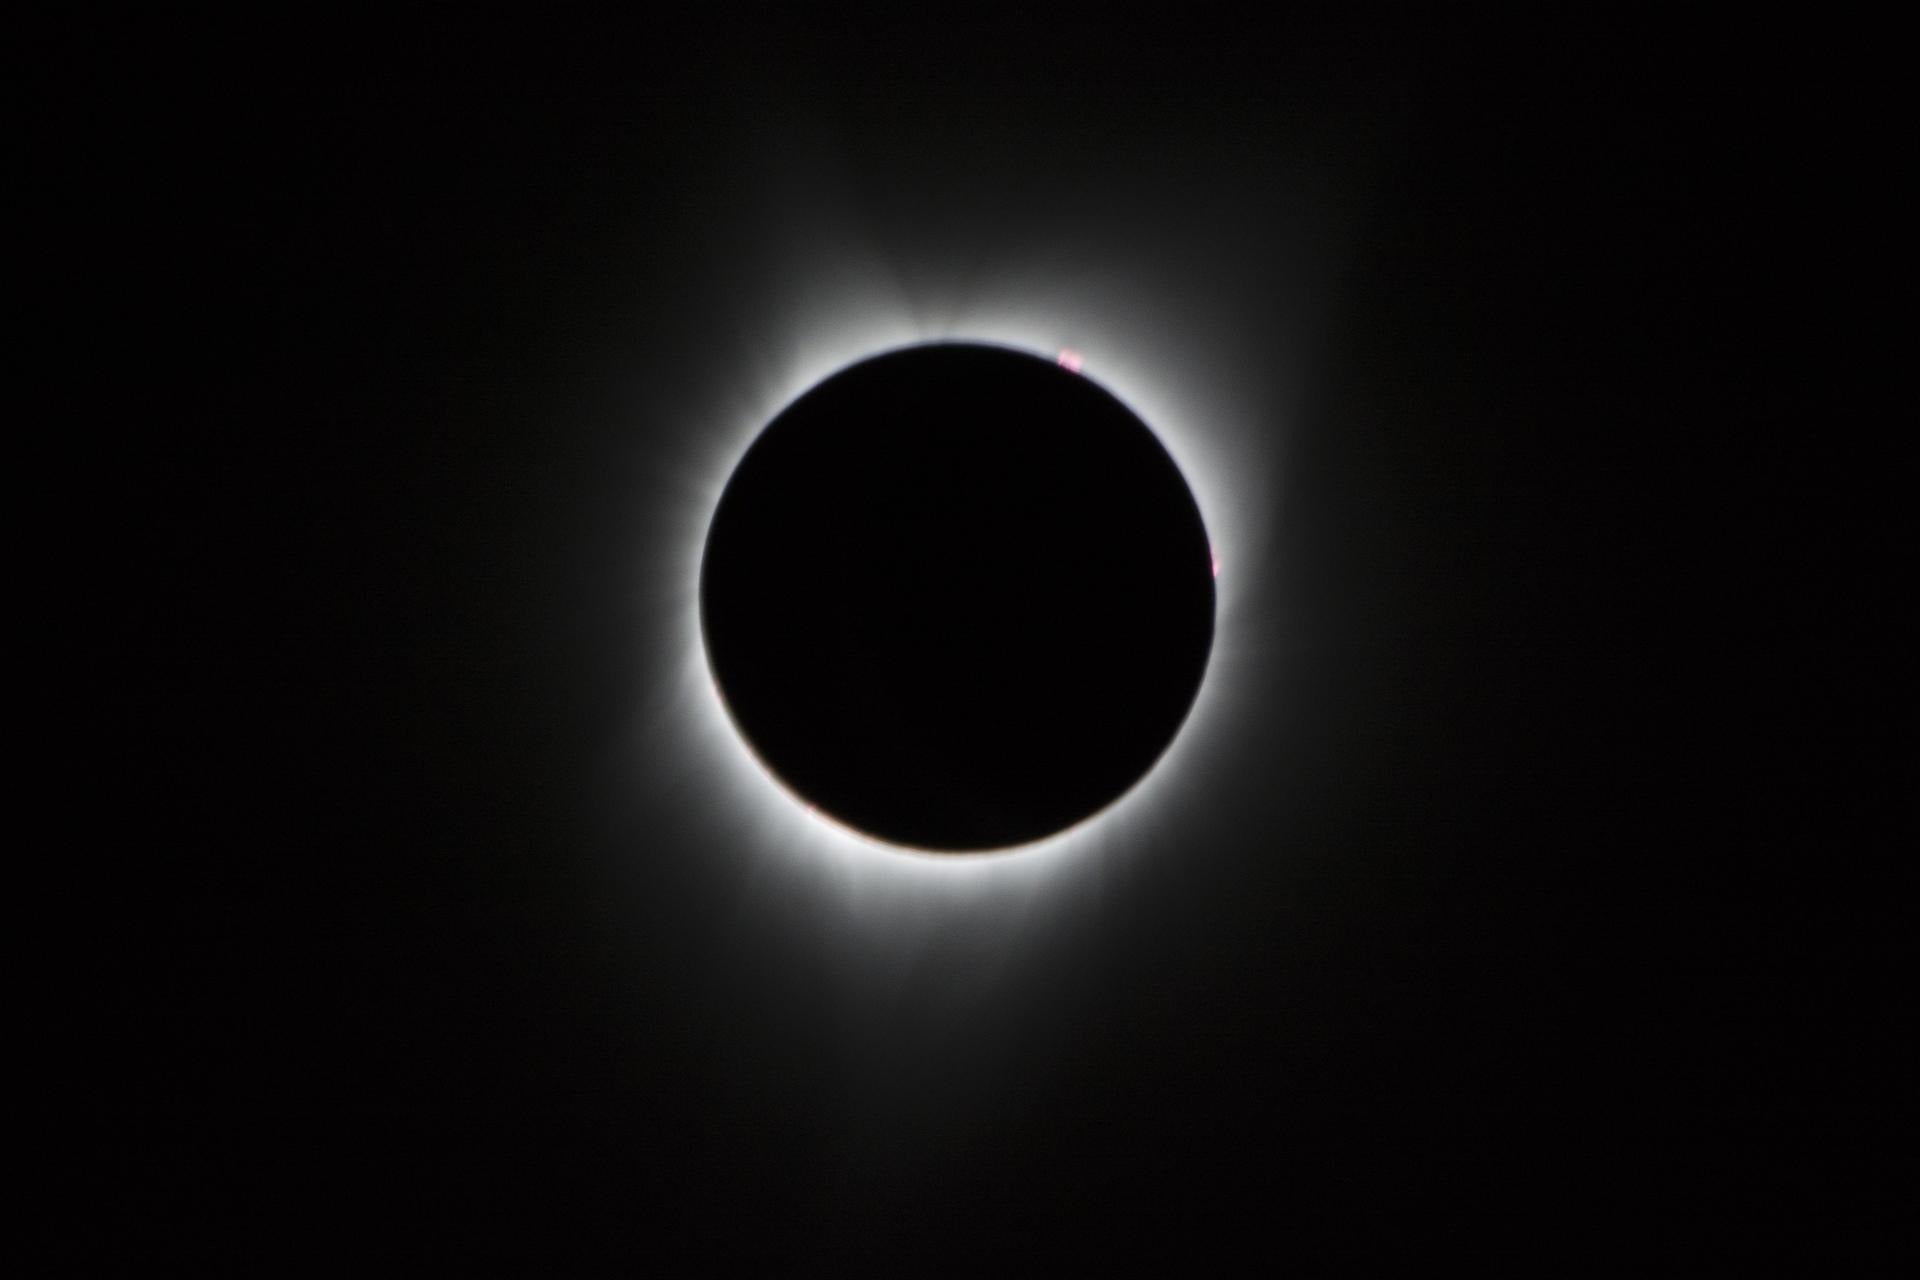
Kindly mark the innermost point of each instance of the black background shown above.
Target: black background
(1542, 914)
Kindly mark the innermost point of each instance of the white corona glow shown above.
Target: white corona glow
(1178, 373)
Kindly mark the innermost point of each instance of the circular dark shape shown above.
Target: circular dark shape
(957, 597)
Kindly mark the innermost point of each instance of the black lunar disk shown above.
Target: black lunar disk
(957, 597)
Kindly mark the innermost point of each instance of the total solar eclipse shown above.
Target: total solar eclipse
(957, 597)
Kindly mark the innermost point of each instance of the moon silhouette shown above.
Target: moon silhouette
(957, 597)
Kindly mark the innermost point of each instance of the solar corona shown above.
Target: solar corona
(1168, 353)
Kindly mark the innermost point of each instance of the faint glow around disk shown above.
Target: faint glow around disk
(1195, 401)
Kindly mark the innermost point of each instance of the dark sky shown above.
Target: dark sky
(1536, 907)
